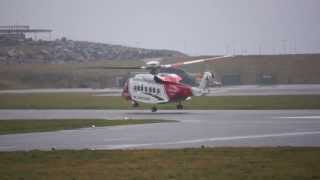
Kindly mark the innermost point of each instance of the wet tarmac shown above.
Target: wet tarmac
(195, 128)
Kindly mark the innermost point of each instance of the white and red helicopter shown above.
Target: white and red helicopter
(164, 84)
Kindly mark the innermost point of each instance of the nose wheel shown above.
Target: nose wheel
(154, 109)
(179, 106)
(135, 104)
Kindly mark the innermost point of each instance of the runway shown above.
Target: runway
(242, 90)
(195, 128)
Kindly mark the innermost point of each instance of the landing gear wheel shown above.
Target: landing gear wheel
(135, 104)
(179, 106)
(154, 109)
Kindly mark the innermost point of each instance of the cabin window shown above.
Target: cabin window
(158, 91)
(154, 90)
(141, 87)
(135, 88)
(145, 89)
(150, 89)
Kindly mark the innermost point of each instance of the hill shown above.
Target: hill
(66, 64)
(27, 51)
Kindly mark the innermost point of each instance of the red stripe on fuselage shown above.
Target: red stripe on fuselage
(177, 91)
(125, 91)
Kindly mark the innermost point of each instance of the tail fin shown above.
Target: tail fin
(201, 90)
(207, 76)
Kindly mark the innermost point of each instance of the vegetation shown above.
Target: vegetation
(90, 101)
(284, 69)
(27, 51)
(84, 75)
(26, 126)
(206, 163)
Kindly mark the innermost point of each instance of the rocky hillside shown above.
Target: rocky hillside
(27, 51)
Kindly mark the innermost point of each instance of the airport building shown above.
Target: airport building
(268, 69)
(19, 32)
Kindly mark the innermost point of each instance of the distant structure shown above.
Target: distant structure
(18, 32)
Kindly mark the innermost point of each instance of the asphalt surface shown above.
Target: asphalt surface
(196, 128)
(243, 90)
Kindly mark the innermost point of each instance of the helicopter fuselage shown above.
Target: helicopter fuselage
(165, 83)
(151, 89)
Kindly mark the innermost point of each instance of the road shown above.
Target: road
(196, 128)
(244, 90)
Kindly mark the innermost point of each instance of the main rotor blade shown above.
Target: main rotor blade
(193, 61)
(117, 67)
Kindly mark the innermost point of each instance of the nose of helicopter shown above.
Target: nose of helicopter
(125, 91)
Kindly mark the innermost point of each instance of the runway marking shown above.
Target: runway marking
(117, 139)
(300, 117)
(125, 146)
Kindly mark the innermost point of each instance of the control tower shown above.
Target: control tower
(18, 32)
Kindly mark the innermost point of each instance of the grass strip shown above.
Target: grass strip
(284, 163)
(27, 126)
(89, 101)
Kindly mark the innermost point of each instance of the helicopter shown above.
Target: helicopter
(165, 83)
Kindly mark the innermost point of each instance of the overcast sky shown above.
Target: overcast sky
(191, 26)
